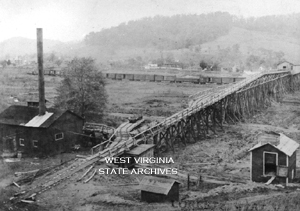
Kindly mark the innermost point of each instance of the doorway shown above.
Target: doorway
(270, 163)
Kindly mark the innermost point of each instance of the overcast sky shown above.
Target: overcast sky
(68, 20)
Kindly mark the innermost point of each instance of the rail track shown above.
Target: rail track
(202, 100)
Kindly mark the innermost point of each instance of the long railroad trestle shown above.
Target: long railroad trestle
(238, 106)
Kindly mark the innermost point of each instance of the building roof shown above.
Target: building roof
(284, 62)
(140, 149)
(28, 116)
(37, 121)
(287, 145)
(157, 185)
(284, 144)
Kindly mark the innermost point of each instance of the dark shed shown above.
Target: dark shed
(156, 189)
(23, 130)
(273, 157)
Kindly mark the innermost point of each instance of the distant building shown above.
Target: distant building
(171, 66)
(274, 157)
(151, 66)
(156, 189)
(23, 130)
(285, 65)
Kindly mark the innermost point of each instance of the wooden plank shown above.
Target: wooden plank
(86, 173)
(91, 176)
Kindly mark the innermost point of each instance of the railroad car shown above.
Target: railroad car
(111, 75)
(227, 80)
(170, 78)
(150, 78)
(129, 76)
(140, 77)
(119, 76)
(217, 80)
(158, 78)
(238, 79)
(187, 80)
(203, 80)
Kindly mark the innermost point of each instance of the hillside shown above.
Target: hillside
(216, 38)
(250, 42)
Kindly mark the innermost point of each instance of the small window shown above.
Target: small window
(35, 143)
(21, 142)
(59, 136)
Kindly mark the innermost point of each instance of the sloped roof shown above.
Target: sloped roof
(22, 115)
(284, 62)
(37, 121)
(285, 145)
(157, 185)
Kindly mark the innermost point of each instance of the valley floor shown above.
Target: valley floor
(223, 157)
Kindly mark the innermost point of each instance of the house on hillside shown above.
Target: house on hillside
(285, 65)
(273, 158)
(23, 130)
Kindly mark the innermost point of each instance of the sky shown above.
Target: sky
(70, 20)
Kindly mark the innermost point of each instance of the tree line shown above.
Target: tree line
(183, 31)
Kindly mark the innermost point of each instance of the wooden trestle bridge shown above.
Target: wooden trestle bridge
(207, 112)
(210, 109)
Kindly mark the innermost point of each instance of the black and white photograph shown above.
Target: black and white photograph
(162, 105)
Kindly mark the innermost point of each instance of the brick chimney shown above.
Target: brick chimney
(42, 104)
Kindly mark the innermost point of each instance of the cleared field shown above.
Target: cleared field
(126, 97)
(150, 98)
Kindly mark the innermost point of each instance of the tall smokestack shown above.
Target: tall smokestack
(42, 104)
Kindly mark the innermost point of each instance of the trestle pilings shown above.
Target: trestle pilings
(236, 107)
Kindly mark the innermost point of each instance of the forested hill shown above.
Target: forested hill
(176, 32)
(219, 39)
(182, 31)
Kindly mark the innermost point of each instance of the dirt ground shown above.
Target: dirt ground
(221, 157)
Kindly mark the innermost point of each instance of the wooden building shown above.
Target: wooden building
(143, 150)
(285, 65)
(23, 130)
(156, 189)
(273, 158)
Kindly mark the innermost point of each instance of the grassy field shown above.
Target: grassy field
(16, 83)
(125, 97)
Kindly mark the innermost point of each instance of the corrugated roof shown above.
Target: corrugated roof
(157, 185)
(287, 145)
(140, 149)
(37, 121)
